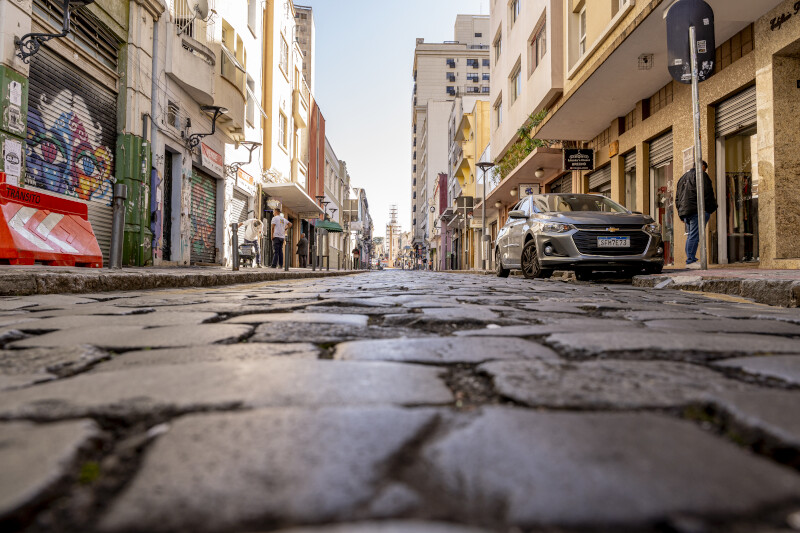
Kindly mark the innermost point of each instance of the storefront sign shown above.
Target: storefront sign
(528, 189)
(211, 160)
(613, 149)
(245, 182)
(578, 159)
(778, 22)
(688, 159)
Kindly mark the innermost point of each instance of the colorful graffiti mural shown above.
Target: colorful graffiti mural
(66, 153)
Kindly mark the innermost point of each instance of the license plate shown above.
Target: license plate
(613, 242)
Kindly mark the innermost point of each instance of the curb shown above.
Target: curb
(30, 283)
(782, 293)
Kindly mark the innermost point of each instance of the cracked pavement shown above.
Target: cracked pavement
(396, 402)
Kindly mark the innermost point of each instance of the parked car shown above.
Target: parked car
(580, 232)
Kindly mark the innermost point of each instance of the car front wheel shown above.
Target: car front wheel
(531, 268)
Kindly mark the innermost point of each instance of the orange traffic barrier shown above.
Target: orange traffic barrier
(39, 228)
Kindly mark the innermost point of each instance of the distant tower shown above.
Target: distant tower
(391, 229)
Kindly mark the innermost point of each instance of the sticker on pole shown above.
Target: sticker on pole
(680, 17)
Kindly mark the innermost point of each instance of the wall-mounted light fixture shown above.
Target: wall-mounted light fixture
(233, 168)
(498, 205)
(30, 43)
(513, 192)
(194, 140)
(539, 173)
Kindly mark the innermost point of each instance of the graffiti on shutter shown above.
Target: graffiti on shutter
(204, 218)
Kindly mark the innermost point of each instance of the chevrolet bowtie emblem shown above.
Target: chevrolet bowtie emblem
(613, 230)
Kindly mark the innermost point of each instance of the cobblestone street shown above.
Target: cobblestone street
(399, 401)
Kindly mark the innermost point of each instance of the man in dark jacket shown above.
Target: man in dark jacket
(686, 202)
(302, 250)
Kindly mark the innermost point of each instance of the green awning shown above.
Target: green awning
(329, 225)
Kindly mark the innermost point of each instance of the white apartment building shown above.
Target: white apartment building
(442, 71)
(307, 39)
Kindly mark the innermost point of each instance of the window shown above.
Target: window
(451, 63)
(473, 77)
(173, 115)
(450, 76)
(478, 35)
(538, 46)
(284, 56)
(513, 12)
(486, 63)
(516, 83)
(251, 14)
(498, 47)
(473, 63)
(282, 130)
(485, 76)
(485, 89)
(251, 103)
(451, 90)
(498, 112)
(582, 33)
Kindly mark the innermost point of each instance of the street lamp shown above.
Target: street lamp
(484, 166)
(233, 168)
(30, 43)
(194, 140)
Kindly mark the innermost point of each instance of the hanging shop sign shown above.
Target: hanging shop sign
(578, 159)
(528, 189)
(245, 182)
(211, 160)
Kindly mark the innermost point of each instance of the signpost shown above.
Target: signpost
(692, 61)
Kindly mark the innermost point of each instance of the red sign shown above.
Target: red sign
(212, 160)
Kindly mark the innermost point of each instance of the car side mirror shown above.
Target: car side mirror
(517, 214)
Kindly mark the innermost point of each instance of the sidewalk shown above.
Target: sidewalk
(772, 287)
(27, 280)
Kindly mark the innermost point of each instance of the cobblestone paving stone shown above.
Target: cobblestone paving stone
(396, 402)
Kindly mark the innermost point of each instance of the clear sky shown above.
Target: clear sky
(364, 61)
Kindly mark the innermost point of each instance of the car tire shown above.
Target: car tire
(583, 275)
(499, 270)
(531, 268)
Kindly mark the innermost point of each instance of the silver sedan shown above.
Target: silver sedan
(580, 232)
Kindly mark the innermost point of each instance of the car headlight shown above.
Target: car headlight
(653, 229)
(552, 227)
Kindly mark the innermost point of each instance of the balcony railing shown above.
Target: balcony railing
(188, 23)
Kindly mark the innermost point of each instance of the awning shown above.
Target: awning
(549, 160)
(614, 87)
(329, 225)
(293, 197)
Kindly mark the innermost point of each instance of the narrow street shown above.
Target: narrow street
(429, 402)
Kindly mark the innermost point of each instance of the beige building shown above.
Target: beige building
(442, 71)
(619, 99)
(306, 37)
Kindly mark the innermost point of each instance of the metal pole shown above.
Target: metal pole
(235, 245)
(484, 250)
(698, 152)
(118, 225)
(285, 247)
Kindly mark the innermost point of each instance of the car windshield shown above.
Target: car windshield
(563, 203)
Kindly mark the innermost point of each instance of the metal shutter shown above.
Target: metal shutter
(737, 112)
(239, 211)
(204, 218)
(600, 178)
(71, 137)
(630, 161)
(661, 150)
(563, 185)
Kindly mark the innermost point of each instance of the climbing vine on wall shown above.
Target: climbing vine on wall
(523, 147)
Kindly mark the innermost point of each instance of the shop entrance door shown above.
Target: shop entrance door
(662, 201)
(738, 210)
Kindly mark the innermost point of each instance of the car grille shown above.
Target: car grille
(586, 242)
(604, 227)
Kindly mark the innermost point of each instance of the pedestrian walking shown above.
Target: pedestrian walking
(253, 229)
(686, 202)
(302, 250)
(279, 227)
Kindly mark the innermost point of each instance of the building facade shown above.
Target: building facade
(441, 72)
(306, 38)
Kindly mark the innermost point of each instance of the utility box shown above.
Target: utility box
(133, 164)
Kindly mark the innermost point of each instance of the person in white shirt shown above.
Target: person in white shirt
(253, 229)
(279, 227)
